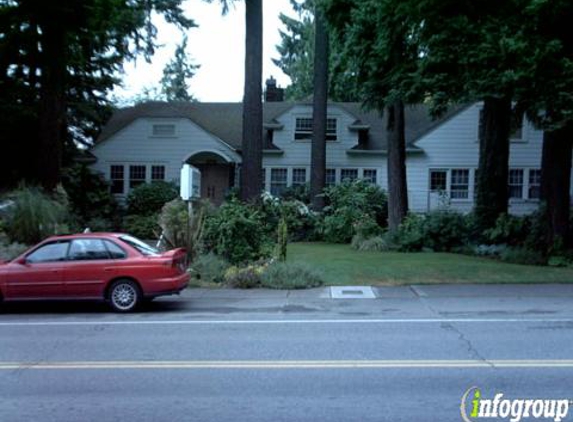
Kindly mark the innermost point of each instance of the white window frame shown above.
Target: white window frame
(298, 182)
(274, 182)
(303, 132)
(512, 183)
(156, 133)
(114, 179)
(530, 185)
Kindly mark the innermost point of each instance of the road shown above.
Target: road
(410, 354)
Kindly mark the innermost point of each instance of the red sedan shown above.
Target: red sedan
(114, 267)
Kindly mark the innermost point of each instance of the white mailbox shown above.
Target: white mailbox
(190, 183)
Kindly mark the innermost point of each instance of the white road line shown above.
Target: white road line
(289, 321)
(309, 364)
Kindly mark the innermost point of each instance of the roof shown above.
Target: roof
(224, 120)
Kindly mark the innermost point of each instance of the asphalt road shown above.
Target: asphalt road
(408, 355)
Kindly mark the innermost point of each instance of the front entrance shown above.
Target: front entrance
(217, 175)
(215, 181)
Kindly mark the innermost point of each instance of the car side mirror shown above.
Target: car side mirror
(22, 261)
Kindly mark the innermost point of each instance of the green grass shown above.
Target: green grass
(342, 265)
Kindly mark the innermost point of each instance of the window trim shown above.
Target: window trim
(112, 179)
(305, 134)
(286, 173)
(154, 134)
(140, 181)
(521, 198)
(46, 244)
(155, 167)
(529, 185)
(298, 183)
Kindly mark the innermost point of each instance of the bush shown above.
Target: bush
(90, 198)
(244, 278)
(301, 221)
(34, 215)
(349, 204)
(210, 268)
(235, 232)
(509, 230)
(9, 251)
(179, 231)
(142, 226)
(300, 193)
(440, 230)
(291, 275)
(371, 244)
(523, 256)
(149, 198)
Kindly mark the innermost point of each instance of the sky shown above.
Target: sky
(217, 45)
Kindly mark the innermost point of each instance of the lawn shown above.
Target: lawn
(342, 265)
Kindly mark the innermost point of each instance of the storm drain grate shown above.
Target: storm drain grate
(352, 292)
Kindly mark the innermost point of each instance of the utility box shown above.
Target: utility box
(190, 183)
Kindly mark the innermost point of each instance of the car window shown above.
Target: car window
(115, 251)
(88, 250)
(139, 245)
(49, 253)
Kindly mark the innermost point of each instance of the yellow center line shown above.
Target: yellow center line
(294, 364)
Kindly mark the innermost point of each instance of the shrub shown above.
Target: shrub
(90, 198)
(440, 230)
(142, 226)
(299, 193)
(180, 231)
(149, 198)
(301, 221)
(349, 204)
(523, 256)
(509, 230)
(210, 268)
(291, 275)
(235, 231)
(9, 251)
(244, 278)
(282, 240)
(34, 215)
(491, 251)
(371, 244)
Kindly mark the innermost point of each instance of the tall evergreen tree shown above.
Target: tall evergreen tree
(176, 73)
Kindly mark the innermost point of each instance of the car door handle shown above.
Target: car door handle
(108, 270)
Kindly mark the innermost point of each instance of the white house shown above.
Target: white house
(151, 141)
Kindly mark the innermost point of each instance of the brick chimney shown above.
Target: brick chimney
(273, 93)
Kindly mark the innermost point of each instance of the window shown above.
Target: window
(157, 173)
(460, 183)
(348, 175)
(278, 181)
(534, 184)
(140, 246)
(49, 253)
(116, 177)
(303, 128)
(298, 177)
(438, 180)
(163, 130)
(136, 176)
(330, 179)
(370, 175)
(516, 183)
(88, 250)
(115, 252)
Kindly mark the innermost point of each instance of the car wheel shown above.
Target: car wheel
(124, 295)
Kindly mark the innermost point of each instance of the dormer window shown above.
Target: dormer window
(164, 130)
(303, 129)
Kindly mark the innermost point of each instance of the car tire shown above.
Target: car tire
(124, 295)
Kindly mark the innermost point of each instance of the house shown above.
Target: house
(151, 141)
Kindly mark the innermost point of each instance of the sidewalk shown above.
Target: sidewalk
(418, 301)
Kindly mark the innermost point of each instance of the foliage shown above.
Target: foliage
(290, 276)
(299, 193)
(300, 220)
(34, 215)
(91, 202)
(508, 229)
(350, 206)
(282, 240)
(248, 277)
(142, 226)
(8, 250)
(181, 231)
(235, 232)
(440, 230)
(175, 74)
(518, 255)
(210, 268)
(149, 198)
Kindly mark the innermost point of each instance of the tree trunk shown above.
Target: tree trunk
(556, 183)
(252, 141)
(52, 105)
(397, 184)
(319, 113)
(492, 186)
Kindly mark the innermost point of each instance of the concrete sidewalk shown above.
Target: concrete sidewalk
(427, 301)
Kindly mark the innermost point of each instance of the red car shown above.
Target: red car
(114, 267)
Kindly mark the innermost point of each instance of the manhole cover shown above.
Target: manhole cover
(352, 292)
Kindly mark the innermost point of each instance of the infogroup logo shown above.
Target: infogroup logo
(474, 407)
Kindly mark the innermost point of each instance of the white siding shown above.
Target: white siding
(136, 145)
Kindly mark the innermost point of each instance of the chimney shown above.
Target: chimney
(273, 93)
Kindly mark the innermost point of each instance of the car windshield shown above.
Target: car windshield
(140, 245)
